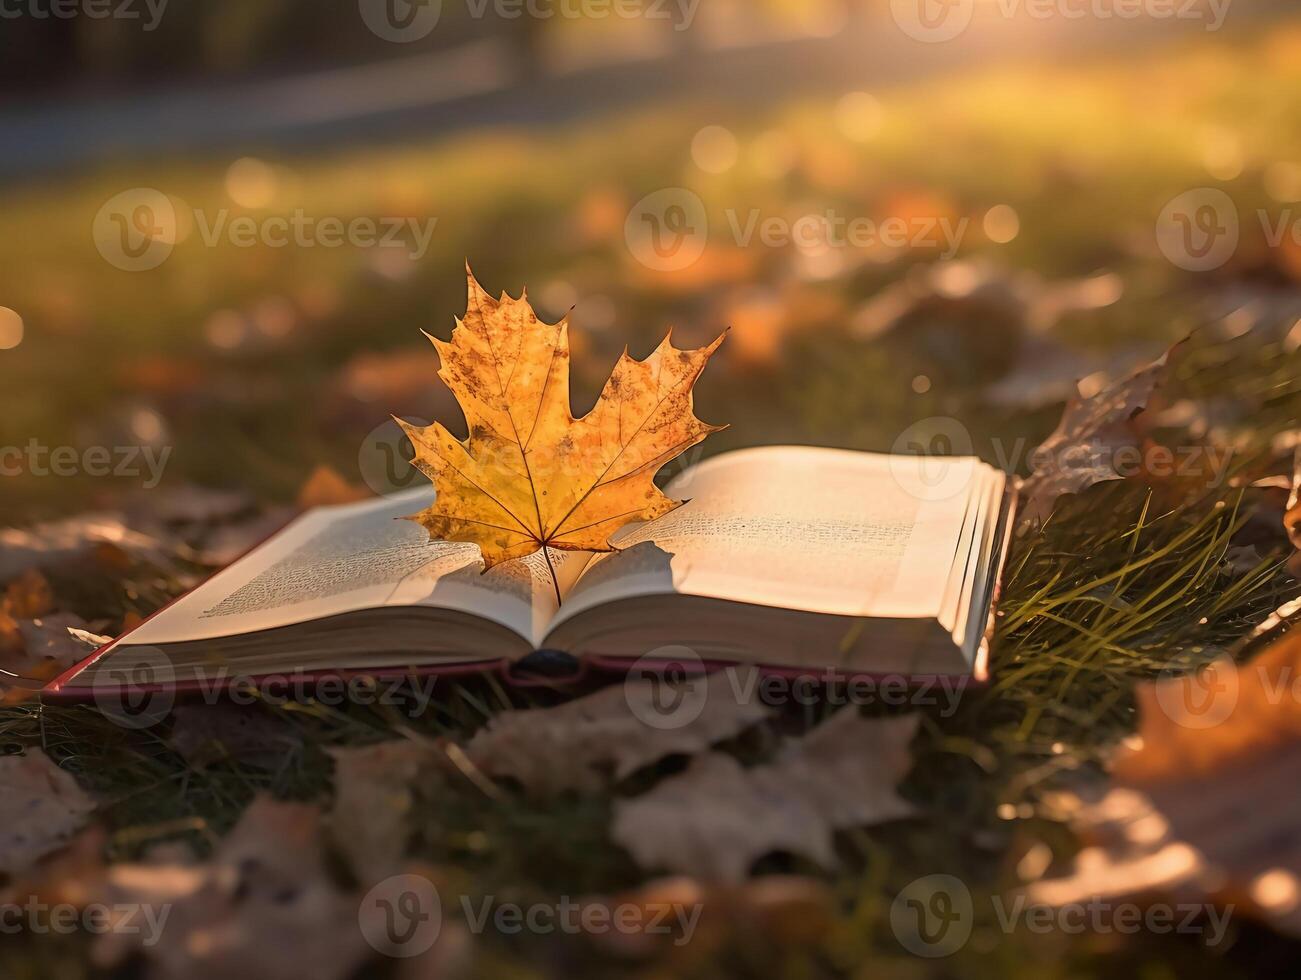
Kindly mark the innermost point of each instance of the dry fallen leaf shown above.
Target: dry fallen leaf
(1084, 448)
(263, 906)
(49, 640)
(716, 818)
(326, 487)
(372, 803)
(74, 540)
(187, 507)
(530, 476)
(1207, 806)
(41, 807)
(691, 921)
(12, 647)
(576, 745)
(73, 875)
(207, 733)
(29, 595)
(88, 640)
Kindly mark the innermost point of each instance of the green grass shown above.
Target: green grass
(1113, 590)
(1086, 164)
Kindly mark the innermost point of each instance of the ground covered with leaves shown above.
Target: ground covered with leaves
(1158, 573)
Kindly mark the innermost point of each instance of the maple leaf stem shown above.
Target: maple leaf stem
(555, 582)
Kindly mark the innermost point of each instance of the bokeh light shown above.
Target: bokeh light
(251, 183)
(11, 329)
(714, 149)
(1001, 224)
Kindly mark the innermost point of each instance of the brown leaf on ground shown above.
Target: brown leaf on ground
(207, 733)
(370, 819)
(12, 647)
(189, 505)
(692, 920)
(326, 487)
(48, 641)
(263, 906)
(76, 539)
(1207, 805)
(71, 876)
(29, 595)
(716, 818)
(27, 687)
(41, 808)
(34, 651)
(1094, 435)
(530, 475)
(578, 745)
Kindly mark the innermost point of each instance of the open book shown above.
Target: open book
(790, 557)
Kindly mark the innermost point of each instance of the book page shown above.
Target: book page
(822, 530)
(359, 556)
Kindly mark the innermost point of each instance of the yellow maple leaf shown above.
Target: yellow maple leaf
(531, 476)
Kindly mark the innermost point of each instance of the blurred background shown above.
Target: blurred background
(223, 224)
